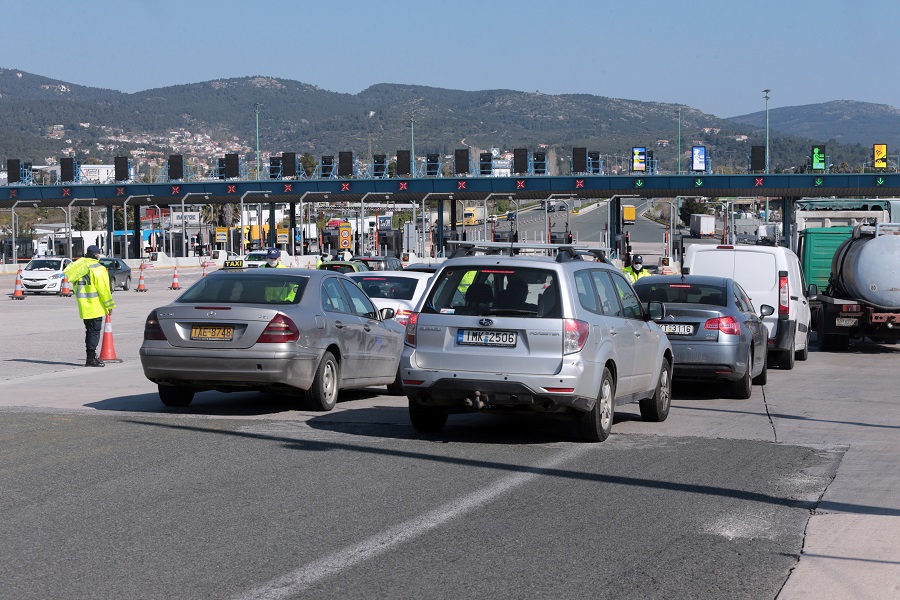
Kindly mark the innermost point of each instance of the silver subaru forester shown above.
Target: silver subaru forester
(559, 334)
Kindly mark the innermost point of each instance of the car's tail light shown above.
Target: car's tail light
(851, 308)
(728, 325)
(279, 330)
(575, 334)
(402, 316)
(411, 323)
(152, 330)
(784, 295)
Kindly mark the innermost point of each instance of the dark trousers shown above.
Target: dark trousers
(92, 330)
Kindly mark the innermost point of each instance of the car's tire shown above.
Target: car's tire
(656, 408)
(763, 377)
(786, 359)
(802, 355)
(595, 425)
(323, 393)
(396, 387)
(175, 396)
(742, 388)
(127, 284)
(426, 419)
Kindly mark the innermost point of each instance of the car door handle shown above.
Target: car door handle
(338, 324)
(367, 327)
(612, 331)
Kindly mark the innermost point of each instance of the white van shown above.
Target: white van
(770, 275)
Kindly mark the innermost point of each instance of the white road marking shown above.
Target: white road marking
(296, 581)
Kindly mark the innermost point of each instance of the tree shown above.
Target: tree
(308, 162)
(81, 221)
(690, 206)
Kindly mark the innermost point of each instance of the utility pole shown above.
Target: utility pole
(256, 107)
(679, 140)
(766, 92)
(412, 141)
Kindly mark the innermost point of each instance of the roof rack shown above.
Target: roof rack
(467, 248)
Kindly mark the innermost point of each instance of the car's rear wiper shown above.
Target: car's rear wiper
(510, 311)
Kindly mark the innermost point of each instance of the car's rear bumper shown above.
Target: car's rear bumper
(215, 371)
(784, 335)
(462, 391)
(708, 361)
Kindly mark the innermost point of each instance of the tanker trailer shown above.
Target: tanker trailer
(862, 298)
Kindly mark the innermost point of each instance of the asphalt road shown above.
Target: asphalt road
(104, 493)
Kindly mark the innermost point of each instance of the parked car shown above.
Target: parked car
(770, 275)
(44, 274)
(119, 272)
(714, 329)
(400, 291)
(309, 333)
(380, 263)
(527, 334)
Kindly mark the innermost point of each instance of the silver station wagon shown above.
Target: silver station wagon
(565, 335)
(297, 331)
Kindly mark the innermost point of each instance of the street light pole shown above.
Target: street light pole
(412, 142)
(256, 106)
(766, 92)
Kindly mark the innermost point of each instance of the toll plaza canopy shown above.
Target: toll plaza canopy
(788, 186)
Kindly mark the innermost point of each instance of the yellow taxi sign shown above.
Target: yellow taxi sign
(233, 264)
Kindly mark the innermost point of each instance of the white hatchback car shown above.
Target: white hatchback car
(400, 290)
(44, 274)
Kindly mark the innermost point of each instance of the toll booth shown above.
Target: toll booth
(450, 235)
(24, 249)
(560, 237)
(390, 242)
(503, 235)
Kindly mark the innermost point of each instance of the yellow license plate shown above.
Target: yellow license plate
(212, 333)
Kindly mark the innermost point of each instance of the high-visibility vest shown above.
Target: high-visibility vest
(635, 275)
(91, 286)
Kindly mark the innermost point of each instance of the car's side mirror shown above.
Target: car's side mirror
(765, 310)
(387, 313)
(812, 290)
(656, 311)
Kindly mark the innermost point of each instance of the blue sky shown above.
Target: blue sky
(714, 56)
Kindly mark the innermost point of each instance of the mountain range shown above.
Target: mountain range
(41, 118)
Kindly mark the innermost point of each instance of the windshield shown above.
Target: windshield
(387, 287)
(44, 264)
(493, 290)
(682, 293)
(108, 263)
(239, 288)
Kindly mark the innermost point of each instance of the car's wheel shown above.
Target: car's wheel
(426, 419)
(742, 388)
(127, 284)
(396, 387)
(596, 424)
(172, 395)
(786, 359)
(656, 408)
(763, 376)
(324, 391)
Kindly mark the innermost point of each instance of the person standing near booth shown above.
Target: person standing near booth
(93, 294)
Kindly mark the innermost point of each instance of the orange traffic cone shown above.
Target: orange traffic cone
(66, 289)
(108, 350)
(141, 287)
(175, 285)
(19, 292)
(204, 270)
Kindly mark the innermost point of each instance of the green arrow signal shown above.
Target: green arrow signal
(638, 183)
(698, 182)
(819, 181)
(880, 181)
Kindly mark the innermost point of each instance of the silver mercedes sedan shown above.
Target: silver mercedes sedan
(296, 331)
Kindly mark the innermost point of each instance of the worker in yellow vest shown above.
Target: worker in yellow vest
(94, 297)
(636, 269)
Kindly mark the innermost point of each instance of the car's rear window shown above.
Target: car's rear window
(238, 288)
(388, 287)
(495, 290)
(681, 293)
(108, 263)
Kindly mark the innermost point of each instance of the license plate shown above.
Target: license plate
(678, 329)
(846, 321)
(477, 337)
(206, 333)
